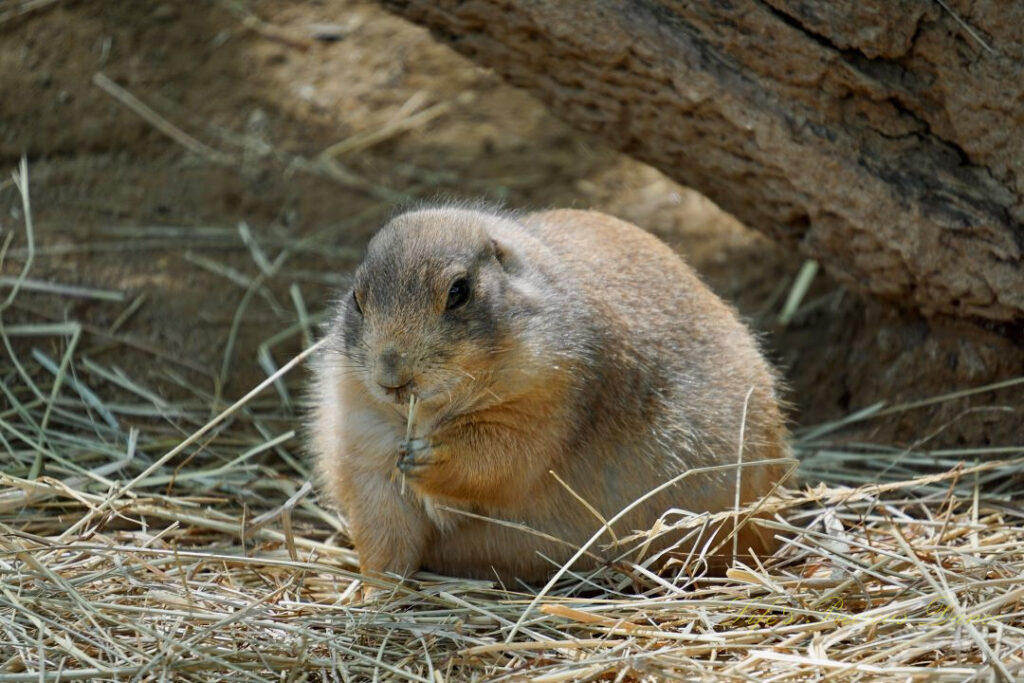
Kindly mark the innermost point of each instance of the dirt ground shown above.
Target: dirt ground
(153, 129)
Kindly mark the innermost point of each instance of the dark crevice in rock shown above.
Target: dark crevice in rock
(795, 24)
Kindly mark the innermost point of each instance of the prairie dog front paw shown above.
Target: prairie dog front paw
(416, 456)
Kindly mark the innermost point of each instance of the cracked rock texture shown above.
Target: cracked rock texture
(885, 138)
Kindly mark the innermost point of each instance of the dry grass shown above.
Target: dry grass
(140, 539)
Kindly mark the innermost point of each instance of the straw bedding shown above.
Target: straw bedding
(145, 539)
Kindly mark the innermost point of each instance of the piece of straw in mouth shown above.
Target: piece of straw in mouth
(408, 428)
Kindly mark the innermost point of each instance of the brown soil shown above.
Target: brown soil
(266, 86)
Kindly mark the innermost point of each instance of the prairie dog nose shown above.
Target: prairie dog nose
(392, 371)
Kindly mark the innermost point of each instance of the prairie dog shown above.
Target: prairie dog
(565, 342)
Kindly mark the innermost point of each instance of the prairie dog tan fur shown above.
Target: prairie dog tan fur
(559, 341)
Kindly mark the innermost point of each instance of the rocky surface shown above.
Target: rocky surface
(882, 137)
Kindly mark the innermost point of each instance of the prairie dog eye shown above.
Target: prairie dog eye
(458, 293)
(355, 300)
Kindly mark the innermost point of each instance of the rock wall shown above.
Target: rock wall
(884, 138)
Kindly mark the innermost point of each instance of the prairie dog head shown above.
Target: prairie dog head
(432, 307)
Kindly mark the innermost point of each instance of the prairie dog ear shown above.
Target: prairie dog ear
(507, 255)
